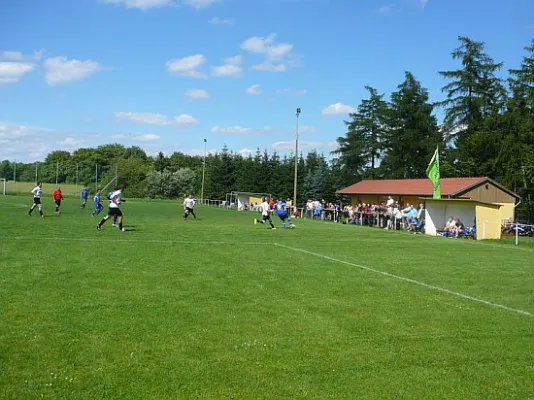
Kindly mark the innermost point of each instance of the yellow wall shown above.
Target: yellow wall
(254, 200)
(488, 222)
(507, 211)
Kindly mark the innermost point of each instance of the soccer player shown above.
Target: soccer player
(85, 195)
(37, 193)
(114, 223)
(98, 205)
(265, 214)
(280, 209)
(58, 196)
(115, 199)
(189, 204)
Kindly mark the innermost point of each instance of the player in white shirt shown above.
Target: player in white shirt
(265, 213)
(189, 204)
(37, 193)
(115, 199)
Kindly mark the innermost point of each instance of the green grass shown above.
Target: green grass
(25, 188)
(214, 309)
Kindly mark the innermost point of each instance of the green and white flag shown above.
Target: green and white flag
(432, 171)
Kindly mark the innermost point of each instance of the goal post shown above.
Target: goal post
(3, 182)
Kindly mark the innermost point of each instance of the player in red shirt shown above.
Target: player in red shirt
(58, 196)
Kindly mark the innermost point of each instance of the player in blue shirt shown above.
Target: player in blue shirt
(98, 205)
(280, 210)
(85, 195)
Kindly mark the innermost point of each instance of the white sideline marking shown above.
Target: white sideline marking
(402, 278)
(105, 240)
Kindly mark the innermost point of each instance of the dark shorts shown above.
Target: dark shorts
(58, 202)
(36, 200)
(188, 210)
(266, 217)
(114, 212)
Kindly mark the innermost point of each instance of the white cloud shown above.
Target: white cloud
(155, 119)
(143, 118)
(60, 70)
(221, 21)
(231, 67)
(187, 66)
(237, 129)
(185, 119)
(269, 66)
(12, 55)
(292, 92)
(235, 60)
(119, 136)
(227, 70)
(254, 90)
(11, 132)
(278, 56)
(246, 152)
(141, 4)
(28, 143)
(11, 72)
(338, 109)
(199, 152)
(149, 137)
(195, 94)
(70, 142)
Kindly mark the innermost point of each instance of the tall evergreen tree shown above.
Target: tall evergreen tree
(360, 149)
(474, 93)
(412, 132)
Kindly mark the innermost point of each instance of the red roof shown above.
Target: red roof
(411, 187)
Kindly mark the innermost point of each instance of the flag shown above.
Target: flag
(432, 171)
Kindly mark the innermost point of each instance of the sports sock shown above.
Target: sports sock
(120, 225)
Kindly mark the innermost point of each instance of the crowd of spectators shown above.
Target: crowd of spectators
(387, 215)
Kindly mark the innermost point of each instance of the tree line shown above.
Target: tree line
(488, 130)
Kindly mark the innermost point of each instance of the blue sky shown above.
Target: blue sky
(165, 74)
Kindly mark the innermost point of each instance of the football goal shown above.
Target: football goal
(244, 201)
(3, 182)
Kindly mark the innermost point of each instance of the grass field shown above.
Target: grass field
(220, 308)
(68, 190)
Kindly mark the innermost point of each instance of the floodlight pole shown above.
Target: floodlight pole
(296, 164)
(203, 172)
(77, 177)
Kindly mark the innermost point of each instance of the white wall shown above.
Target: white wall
(437, 213)
(435, 217)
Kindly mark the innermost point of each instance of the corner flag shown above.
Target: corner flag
(432, 171)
